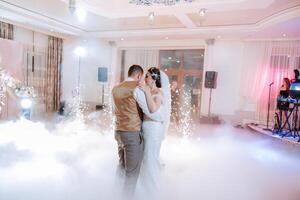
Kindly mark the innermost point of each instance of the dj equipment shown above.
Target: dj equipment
(295, 90)
(283, 101)
(289, 107)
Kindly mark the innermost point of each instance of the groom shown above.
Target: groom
(129, 106)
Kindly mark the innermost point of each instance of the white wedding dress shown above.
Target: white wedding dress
(154, 133)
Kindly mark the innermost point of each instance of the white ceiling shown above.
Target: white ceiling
(119, 19)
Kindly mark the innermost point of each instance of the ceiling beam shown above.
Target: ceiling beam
(242, 28)
(185, 20)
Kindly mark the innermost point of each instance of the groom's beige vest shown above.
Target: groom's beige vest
(127, 112)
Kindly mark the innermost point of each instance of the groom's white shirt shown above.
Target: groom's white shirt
(140, 98)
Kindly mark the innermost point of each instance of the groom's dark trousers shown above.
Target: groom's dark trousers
(130, 150)
(128, 133)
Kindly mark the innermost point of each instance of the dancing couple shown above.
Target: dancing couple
(142, 111)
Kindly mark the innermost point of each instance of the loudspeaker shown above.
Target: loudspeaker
(102, 74)
(211, 79)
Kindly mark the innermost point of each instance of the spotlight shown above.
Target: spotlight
(202, 12)
(26, 108)
(151, 16)
(26, 103)
(80, 51)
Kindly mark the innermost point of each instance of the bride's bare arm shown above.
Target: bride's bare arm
(152, 103)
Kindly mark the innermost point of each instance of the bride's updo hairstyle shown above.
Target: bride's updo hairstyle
(155, 74)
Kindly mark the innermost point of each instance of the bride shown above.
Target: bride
(158, 98)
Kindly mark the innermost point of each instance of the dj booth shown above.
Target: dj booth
(287, 119)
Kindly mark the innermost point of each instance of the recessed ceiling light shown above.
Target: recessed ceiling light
(170, 58)
(166, 38)
(122, 39)
(284, 35)
(202, 12)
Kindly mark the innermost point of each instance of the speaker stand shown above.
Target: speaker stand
(269, 104)
(210, 119)
(101, 106)
(210, 92)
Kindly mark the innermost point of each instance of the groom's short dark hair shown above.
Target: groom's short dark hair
(134, 69)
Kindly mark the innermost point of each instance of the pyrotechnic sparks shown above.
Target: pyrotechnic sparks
(8, 82)
(186, 121)
(76, 106)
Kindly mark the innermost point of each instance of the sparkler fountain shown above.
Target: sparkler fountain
(186, 121)
(7, 82)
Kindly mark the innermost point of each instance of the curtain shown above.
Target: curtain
(11, 60)
(35, 61)
(142, 57)
(53, 74)
(266, 64)
(6, 31)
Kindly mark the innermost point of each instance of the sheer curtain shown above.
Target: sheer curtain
(144, 58)
(267, 63)
(11, 60)
(35, 56)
